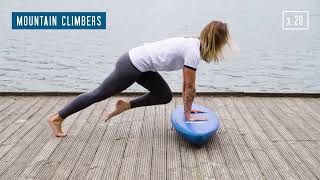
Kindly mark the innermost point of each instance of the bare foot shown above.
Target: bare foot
(55, 122)
(121, 106)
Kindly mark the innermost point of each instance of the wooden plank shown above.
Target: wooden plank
(222, 117)
(4, 99)
(286, 150)
(130, 156)
(203, 162)
(301, 110)
(241, 111)
(250, 164)
(83, 163)
(8, 103)
(294, 160)
(84, 126)
(315, 102)
(159, 153)
(300, 126)
(308, 159)
(285, 133)
(313, 147)
(46, 130)
(143, 169)
(216, 156)
(265, 164)
(306, 122)
(174, 156)
(287, 122)
(40, 162)
(239, 123)
(246, 145)
(226, 121)
(13, 140)
(105, 147)
(173, 149)
(20, 117)
(55, 149)
(32, 122)
(128, 166)
(14, 112)
(144, 165)
(112, 168)
(24, 149)
(201, 155)
(229, 152)
(9, 141)
(281, 165)
(26, 156)
(190, 170)
(309, 107)
(267, 146)
(114, 164)
(255, 103)
(259, 115)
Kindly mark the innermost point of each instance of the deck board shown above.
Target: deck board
(29, 144)
(259, 138)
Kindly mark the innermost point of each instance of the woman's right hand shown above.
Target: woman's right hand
(197, 118)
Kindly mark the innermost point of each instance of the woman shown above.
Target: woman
(141, 64)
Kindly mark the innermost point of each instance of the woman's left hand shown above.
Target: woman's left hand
(197, 118)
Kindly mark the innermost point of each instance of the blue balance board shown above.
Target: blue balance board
(196, 132)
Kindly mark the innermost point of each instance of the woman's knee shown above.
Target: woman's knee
(166, 98)
(169, 97)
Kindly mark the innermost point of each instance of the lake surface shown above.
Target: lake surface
(270, 59)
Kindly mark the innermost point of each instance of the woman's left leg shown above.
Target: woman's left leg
(160, 92)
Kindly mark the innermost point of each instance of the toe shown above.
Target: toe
(62, 134)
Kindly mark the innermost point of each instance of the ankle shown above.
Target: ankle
(57, 117)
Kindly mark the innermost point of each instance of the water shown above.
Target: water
(78, 60)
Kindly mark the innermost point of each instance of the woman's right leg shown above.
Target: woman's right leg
(123, 76)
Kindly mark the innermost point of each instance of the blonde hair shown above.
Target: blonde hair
(212, 39)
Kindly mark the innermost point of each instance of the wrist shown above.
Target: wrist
(187, 114)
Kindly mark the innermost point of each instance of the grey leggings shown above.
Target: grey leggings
(123, 76)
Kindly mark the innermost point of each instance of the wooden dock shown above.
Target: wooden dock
(259, 138)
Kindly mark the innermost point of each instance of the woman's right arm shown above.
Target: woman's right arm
(188, 94)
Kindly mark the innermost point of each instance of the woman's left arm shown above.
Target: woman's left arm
(189, 90)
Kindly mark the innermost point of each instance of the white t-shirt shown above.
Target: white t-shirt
(167, 55)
